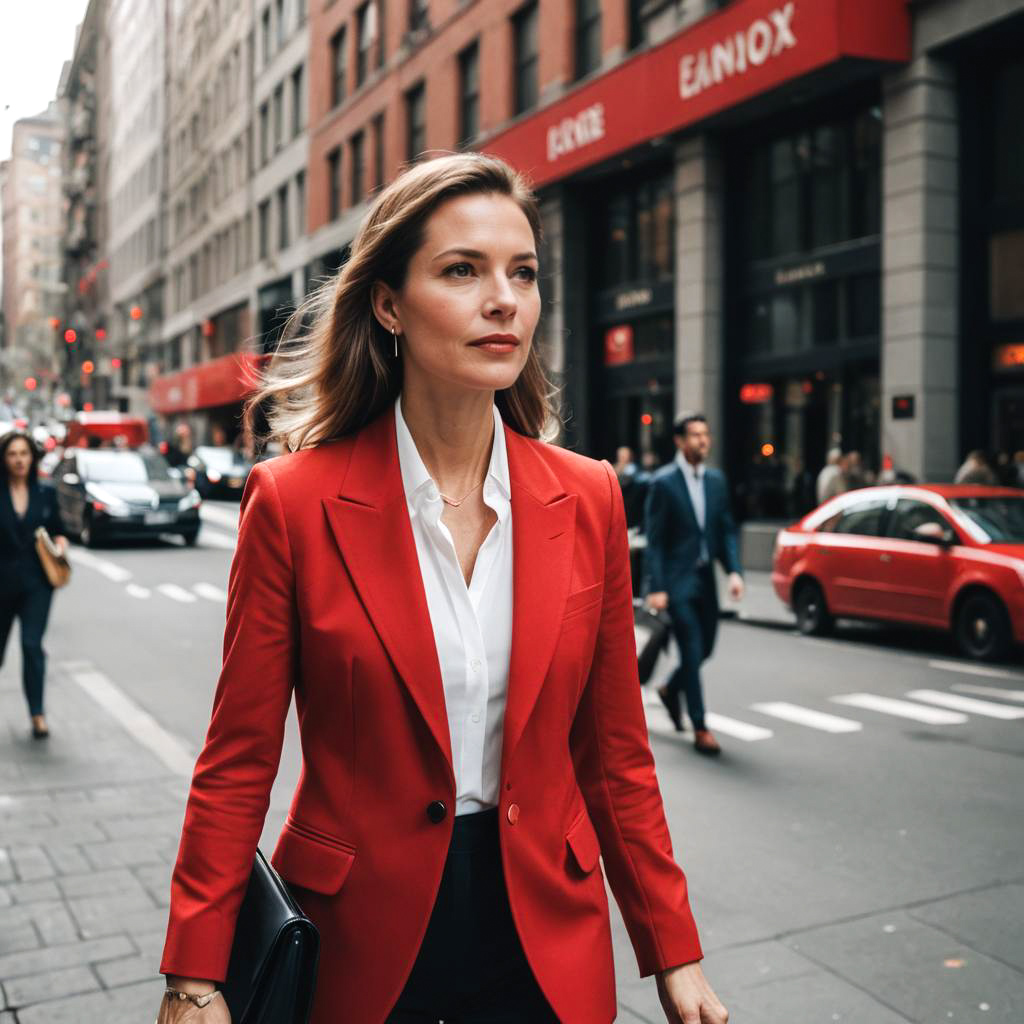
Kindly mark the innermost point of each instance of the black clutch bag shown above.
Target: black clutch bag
(653, 632)
(272, 973)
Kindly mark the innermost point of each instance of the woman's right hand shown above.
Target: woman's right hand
(181, 1011)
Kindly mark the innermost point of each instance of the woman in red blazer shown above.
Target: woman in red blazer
(449, 598)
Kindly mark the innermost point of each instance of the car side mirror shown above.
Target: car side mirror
(935, 533)
(69, 478)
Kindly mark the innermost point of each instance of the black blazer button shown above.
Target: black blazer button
(436, 812)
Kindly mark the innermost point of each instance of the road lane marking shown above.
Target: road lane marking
(969, 704)
(212, 539)
(101, 565)
(219, 516)
(901, 708)
(973, 670)
(176, 593)
(139, 724)
(134, 590)
(737, 729)
(806, 716)
(990, 691)
(210, 592)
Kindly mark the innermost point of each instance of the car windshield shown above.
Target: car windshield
(998, 520)
(123, 467)
(221, 459)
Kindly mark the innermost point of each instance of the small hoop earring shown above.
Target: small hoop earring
(394, 334)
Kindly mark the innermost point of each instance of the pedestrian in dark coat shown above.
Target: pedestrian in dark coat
(689, 528)
(25, 592)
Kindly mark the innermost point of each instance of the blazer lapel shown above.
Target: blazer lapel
(370, 523)
(543, 537)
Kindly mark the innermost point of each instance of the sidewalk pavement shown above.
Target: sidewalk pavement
(759, 604)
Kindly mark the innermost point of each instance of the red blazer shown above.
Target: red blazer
(326, 598)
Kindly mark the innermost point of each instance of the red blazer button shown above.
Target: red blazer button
(513, 813)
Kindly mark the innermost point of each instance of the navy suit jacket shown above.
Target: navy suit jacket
(673, 536)
(19, 563)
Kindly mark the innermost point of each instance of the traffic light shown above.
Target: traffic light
(31, 383)
(71, 336)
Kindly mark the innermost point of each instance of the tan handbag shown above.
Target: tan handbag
(55, 565)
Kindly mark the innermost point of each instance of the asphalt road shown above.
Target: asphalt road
(846, 863)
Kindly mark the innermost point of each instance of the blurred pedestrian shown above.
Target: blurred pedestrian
(438, 670)
(25, 592)
(632, 483)
(180, 449)
(829, 482)
(1018, 464)
(976, 470)
(853, 472)
(689, 528)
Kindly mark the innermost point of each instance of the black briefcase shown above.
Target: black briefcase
(272, 973)
(653, 633)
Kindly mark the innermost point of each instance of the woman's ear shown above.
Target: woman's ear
(382, 300)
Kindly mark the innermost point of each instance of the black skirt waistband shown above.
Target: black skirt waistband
(476, 831)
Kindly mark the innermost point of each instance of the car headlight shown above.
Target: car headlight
(190, 501)
(112, 504)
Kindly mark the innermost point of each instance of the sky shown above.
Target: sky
(36, 37)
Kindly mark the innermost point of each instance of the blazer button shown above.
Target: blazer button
(436, 812)
(513, 813)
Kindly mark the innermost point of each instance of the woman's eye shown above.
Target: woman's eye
(459, 270)
(528, 273)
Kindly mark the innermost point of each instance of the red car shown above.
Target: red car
(945, 557)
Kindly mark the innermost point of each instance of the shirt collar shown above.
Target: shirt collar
(688, 469)
(417, 482)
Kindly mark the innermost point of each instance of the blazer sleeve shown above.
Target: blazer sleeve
(615, 771)
(231, 785)
(729, 554)
(53, 522)
(656, 514)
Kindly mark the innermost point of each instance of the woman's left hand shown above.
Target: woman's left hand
(62, 544)
(687, 998)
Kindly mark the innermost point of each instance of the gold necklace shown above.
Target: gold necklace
(455, 503)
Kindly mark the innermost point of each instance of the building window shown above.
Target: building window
(266, 35)
(357, 169)
(283, 226)
(300, 203)
(416, 121)
(264, 133)
(279, 117)
(418, 15)
(588, 36)
(264, 229)
(378, 151)
(298, 101)
(334, 183)
(279, 11)
(637, 233)
(339, 67)
(301, 12)
(469, 93)
(367, 35)
(524, 31)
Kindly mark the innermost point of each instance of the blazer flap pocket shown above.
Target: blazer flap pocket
(312, 863)
(582, 840)
(582, 599)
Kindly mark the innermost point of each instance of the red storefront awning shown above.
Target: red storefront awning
(222, 381)
(745, 50)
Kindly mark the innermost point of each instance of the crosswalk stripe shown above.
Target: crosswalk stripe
(113, 572)
(973, 670)
(806, 716)
(176, 593)
(969, 704)
(990, 691)
(210, 592)
(901, 708)
(737, 729)
(134, 590)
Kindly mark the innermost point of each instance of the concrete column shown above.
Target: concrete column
(699, 284)
(920, 267)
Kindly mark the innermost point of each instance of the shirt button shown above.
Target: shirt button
(475, 664)
(475, 717)
(513, 813)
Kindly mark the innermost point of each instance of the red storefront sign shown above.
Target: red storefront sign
(756, 394)
(618, 345)
(223, 381)
(746, 49)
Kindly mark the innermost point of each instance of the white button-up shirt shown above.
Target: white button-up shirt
(472, 625)
(694, 477)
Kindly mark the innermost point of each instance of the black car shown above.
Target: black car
(220, 471)
(105, 494)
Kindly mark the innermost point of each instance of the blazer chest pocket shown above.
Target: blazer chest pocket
(582, 600)
(582, 841)
(311, 861)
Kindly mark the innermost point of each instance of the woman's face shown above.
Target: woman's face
(18, 459)
(470, 302)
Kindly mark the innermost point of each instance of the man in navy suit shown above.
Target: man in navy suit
(689, 526)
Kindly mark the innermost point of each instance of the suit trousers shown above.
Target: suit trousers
(471, 968)
(27, 598)
(695, 624)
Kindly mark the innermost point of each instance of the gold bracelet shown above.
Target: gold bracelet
(173, 993)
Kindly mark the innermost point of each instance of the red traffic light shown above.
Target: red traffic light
(88, 366)
(115, 363)
(70, 336)
(136, 313)
(54, 322)
(31, 383)
(101, 334)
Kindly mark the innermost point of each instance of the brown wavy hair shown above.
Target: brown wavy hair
(334, 370)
